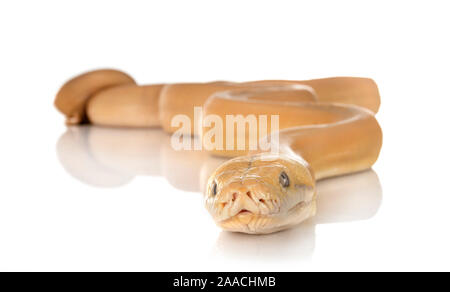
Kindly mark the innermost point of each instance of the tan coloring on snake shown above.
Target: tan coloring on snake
(327, 128)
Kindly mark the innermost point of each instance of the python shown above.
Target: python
(217, 134)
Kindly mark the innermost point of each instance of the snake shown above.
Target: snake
(327, 127)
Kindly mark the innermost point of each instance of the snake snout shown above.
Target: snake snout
(242, 200)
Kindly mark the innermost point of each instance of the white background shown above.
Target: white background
(94, 202)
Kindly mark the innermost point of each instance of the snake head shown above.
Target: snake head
(261, 193)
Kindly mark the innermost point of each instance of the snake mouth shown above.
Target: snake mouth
(247, 213)
(243, 215)
(246, 218)
(243, 212)
(255, 223)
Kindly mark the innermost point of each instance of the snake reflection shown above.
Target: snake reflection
(112, 157)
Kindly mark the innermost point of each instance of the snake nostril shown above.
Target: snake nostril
(249, 195)
(262, 201)
(233, 198)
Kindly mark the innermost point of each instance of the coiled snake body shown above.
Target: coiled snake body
(326, 128)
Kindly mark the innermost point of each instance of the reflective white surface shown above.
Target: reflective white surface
(115, 199)
(113, 158)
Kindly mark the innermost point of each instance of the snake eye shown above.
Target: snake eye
(284, 179)
(214, 189)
